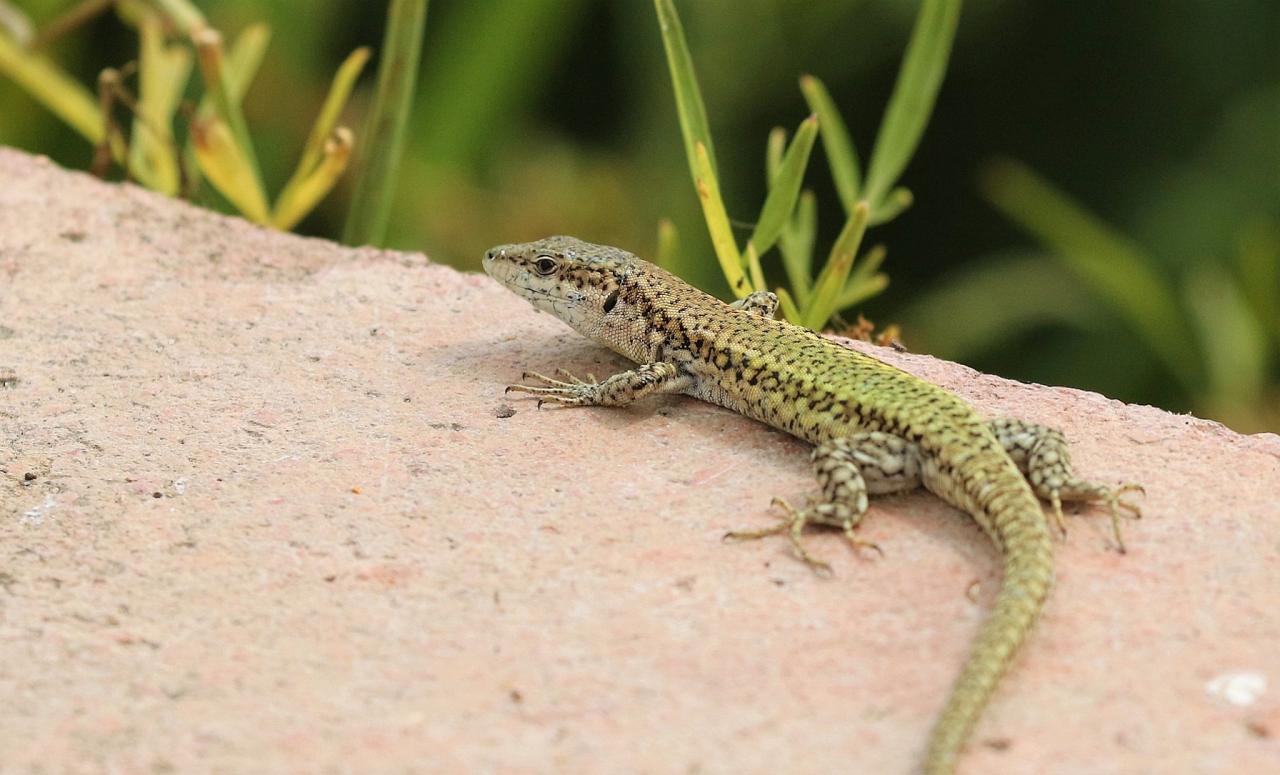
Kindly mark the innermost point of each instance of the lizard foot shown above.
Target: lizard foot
(793, 523)
(570, 391)
(1085, 492)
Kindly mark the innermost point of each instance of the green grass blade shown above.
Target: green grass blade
(1118, 270)
(958, 320)
(781, 200)
(830, 282)
(383, 137)
(184, 15)
(866, 280)
(54, 88)
(919, 79)
(223, 162)
(694, 126)
(217, 83)
(842, 156)
(859, 289)
(898, 200)
(704, 180)
(1236, 354)
(668, 244)
(319, 147)
(773, 152)
(307, 192)
(1258, 266)
(796, 245)
(163, 71)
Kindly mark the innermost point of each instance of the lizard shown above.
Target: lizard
(875, 428)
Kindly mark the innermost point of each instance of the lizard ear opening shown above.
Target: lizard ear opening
(610, 301)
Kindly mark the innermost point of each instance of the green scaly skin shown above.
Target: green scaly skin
(878, 429)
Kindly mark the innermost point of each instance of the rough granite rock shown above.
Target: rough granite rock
(264, 507)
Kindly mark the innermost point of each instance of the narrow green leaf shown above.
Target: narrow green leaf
(773, 151)
(898, 200)
(54, 88)
(1118, 270)
(781, 200)
(958, 320)
(302, 197)
(919, 79)
(869, 265)
(244, 57)
(15, 23)
(208, 44)
(859, 289)
(842, 157)
(1235, 351)
(668, 244)
(322, 135)
(184, 15)
(704, 180)
(1258, 265)
(383, 140)
(694, 126)
(796, 244)
(163, 71)
(752, 258)
(836, 272)
(789, 309)
(222, 160)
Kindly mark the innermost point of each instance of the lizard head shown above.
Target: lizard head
(578, 282)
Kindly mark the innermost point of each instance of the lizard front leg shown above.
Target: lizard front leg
(1041, 453)
(618, 390)
(848, 469)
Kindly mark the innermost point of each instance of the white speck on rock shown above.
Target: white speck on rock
(180, 485)
(1241, 689)
(35, 514)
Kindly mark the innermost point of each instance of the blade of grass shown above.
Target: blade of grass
(796, 245)
(52, 87)
(1033, 291)
(826, 289)
(668, 244)
(752, 259)
(208, 43)
(317, 149)
(781, 200)
(15, 23)
(185, 16)
(923, 66)
(842, 156)
(384, 129)
(704, 180)
(773, 151)
(309, 190)
(1118, 270)
(692, 112)
(1235, 346)
(1258, 266)
(162, 76)
(859, 289)
(898, 200)
(223, 163)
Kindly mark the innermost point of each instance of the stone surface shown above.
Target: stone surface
(264, 507)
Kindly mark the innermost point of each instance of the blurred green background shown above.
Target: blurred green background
(534, 117)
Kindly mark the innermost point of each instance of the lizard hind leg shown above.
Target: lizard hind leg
(847, 469)
(1042, 455)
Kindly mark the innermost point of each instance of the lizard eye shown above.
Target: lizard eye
(545, 265)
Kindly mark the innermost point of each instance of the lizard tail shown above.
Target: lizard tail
(1028, 575)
